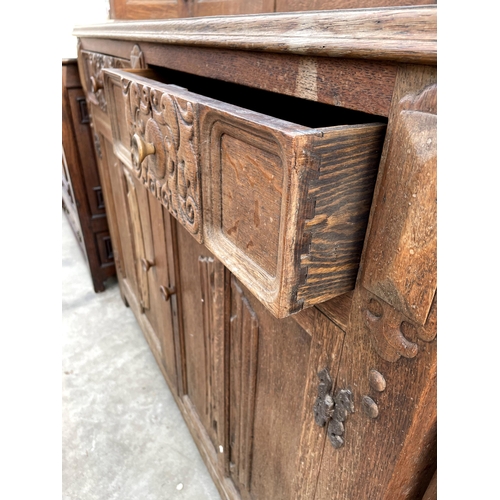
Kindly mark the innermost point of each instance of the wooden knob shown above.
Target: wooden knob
(95, 84)
(146, 265)
(166, 292)
(141, 149)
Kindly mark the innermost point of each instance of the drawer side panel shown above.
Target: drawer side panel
(340, 197)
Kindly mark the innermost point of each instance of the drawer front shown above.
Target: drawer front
(92, 82)
(155, 133)
(283, 206)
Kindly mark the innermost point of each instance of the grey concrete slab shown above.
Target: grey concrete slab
(123, 436)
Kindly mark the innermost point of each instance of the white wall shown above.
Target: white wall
(75, 12)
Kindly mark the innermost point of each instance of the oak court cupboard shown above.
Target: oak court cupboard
(270, 184)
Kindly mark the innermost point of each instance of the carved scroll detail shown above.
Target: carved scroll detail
(389, 329)
(244, 338)
(171, 173)
(94, 63)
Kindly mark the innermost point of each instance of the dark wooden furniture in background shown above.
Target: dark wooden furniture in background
(286, 397)
(82, 197)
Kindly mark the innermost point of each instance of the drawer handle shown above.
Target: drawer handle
(166, 292)
(95, 84)
(146, 265)
(141, 149)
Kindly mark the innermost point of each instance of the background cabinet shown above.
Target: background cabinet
(82, 197)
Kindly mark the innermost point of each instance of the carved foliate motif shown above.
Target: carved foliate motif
(94, 64)
(164, 144)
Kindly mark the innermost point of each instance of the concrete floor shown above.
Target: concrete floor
(123, 436)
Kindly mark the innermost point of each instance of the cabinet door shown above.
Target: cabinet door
(142, 239)
(154, 301)
(274, 445)
(201, 298)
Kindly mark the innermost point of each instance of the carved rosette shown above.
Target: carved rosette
(167, 124)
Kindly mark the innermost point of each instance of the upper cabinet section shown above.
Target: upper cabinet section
(279, 189)
(165, 9)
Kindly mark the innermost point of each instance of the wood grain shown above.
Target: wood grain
(244, 380)
(326, 350)
(284, 205)
(392, 455)
(404, 34)
(160, 274)
(303, 5)
(229, 7)
(279, 395)
(243, 346)
(338, 309)
(358, 84)
(408, 200)
(431, 491)
(341, 194)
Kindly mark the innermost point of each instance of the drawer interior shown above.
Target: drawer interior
(296, 110)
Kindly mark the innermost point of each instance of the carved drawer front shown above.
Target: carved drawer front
(283, 205)
(92, 65)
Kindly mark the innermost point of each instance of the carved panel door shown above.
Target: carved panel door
(273, 441)
(201, 297)
(154, 265)
(142, 240)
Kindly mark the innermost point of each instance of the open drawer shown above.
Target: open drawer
(283, 205)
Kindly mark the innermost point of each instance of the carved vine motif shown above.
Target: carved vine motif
(390, 329)
(330, 410)
(164, 126)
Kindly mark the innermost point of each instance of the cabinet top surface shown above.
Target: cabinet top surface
(405, 34)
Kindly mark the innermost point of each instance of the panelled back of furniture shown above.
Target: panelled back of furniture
(281, 166)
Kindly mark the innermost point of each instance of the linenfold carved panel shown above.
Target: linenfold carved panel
(244, 345)
(166, 124)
